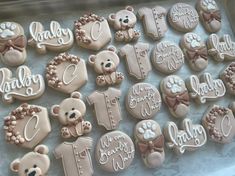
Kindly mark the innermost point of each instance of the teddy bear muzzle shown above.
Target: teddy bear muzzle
(108, 67)
(34, 172)
(74, 115)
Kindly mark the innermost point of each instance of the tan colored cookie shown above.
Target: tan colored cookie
(27, 125)
(154, 21)
(175, 95)
(205, 88)
(189, 138)
(76, 157)
(66, 73)
(92, 31)
(183, 17)
(209, 14)
(54, 39)
(12, 44)
(195, 51)
(137, 59)
(35, 163)
(228, 77)
(114, 151)
(167, 57)
(219, 123)
(143, 101)
(24, 86)
(150, 141)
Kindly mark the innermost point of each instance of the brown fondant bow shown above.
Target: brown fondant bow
(195, 54)
(173, 102)
(209, 16)
(156, 145)
(17, 43)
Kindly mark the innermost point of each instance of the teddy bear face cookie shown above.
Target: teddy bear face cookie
(92, 31)
(228, 77)
(70, 113)
(175, 95)
(123, 22)
(35, 163)
(12, 43)
(105, 63)
(150, 142)
(195, 51)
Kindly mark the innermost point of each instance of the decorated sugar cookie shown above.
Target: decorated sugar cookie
(24, 86)
(210, 16)
(150, 141)
(175, 95)
(92, 31)
(35, 163)
(105, 63)
(114, 151)
(195, 51)
(12, 44)
(167, 57)
(124, 22)
(219, 123)
(221, 49)
(70, 113)
(143, 101)
(189, 138)
(66, 73)
(183, 17)
(205, 88)
(228, 77)
(27, 125)
(54, 39)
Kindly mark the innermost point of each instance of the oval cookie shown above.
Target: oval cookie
(228, 77)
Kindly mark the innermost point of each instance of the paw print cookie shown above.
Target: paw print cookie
(105, 63)
(124, 22)
(210, 16)
(175, 95)
(35, 163)
(228, 77)
(12, 44)
(150, 141)
(195, 51)
(70, 113)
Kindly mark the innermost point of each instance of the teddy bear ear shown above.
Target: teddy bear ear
(129, 8)
(42, 149)
(111, 17)
(77, 95)
(112, 48)
(15, 165)
(91, 59)
(55, 109)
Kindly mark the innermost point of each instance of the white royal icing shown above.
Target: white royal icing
(194, 40)
(26, 134)
(148, 130)
(66, 78)
(7, 29)
(175, 85)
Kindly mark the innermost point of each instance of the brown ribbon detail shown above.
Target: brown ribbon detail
(195, 54)
(17, 43)
(173, 102)
(156, 145)
(210, 16)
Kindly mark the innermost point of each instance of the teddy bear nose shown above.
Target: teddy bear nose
(72, 115)
(126, 21)
(32, 173)
(107, 65)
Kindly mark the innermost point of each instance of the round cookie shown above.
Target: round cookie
(167, 57)
(228, 77)
(143, 101)
(183, 17)
(114, 151)
(195, 51)
(150, 141)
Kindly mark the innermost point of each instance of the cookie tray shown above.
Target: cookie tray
(212, 159)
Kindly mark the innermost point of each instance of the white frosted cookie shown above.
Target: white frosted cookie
(66, 73)
(228, 77)
(54, 39)
(150, 141)
(27, 125)
(219, 123)
(114, 151)
(35, 163)
(12, 44)
(24, 86)
(188, 138)
(167, 57)
(175, 95)
(92, 31)
(183, 17)
(143, 101)
(195, 51)
(205, 88)
(222, 48)
(209, 14)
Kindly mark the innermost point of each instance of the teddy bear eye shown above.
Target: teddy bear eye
(34, 165)
(120, 19)
(26, 170)
(66, 113)
(126, 16)
(73, 109)
(102, 63)
(108, 60)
